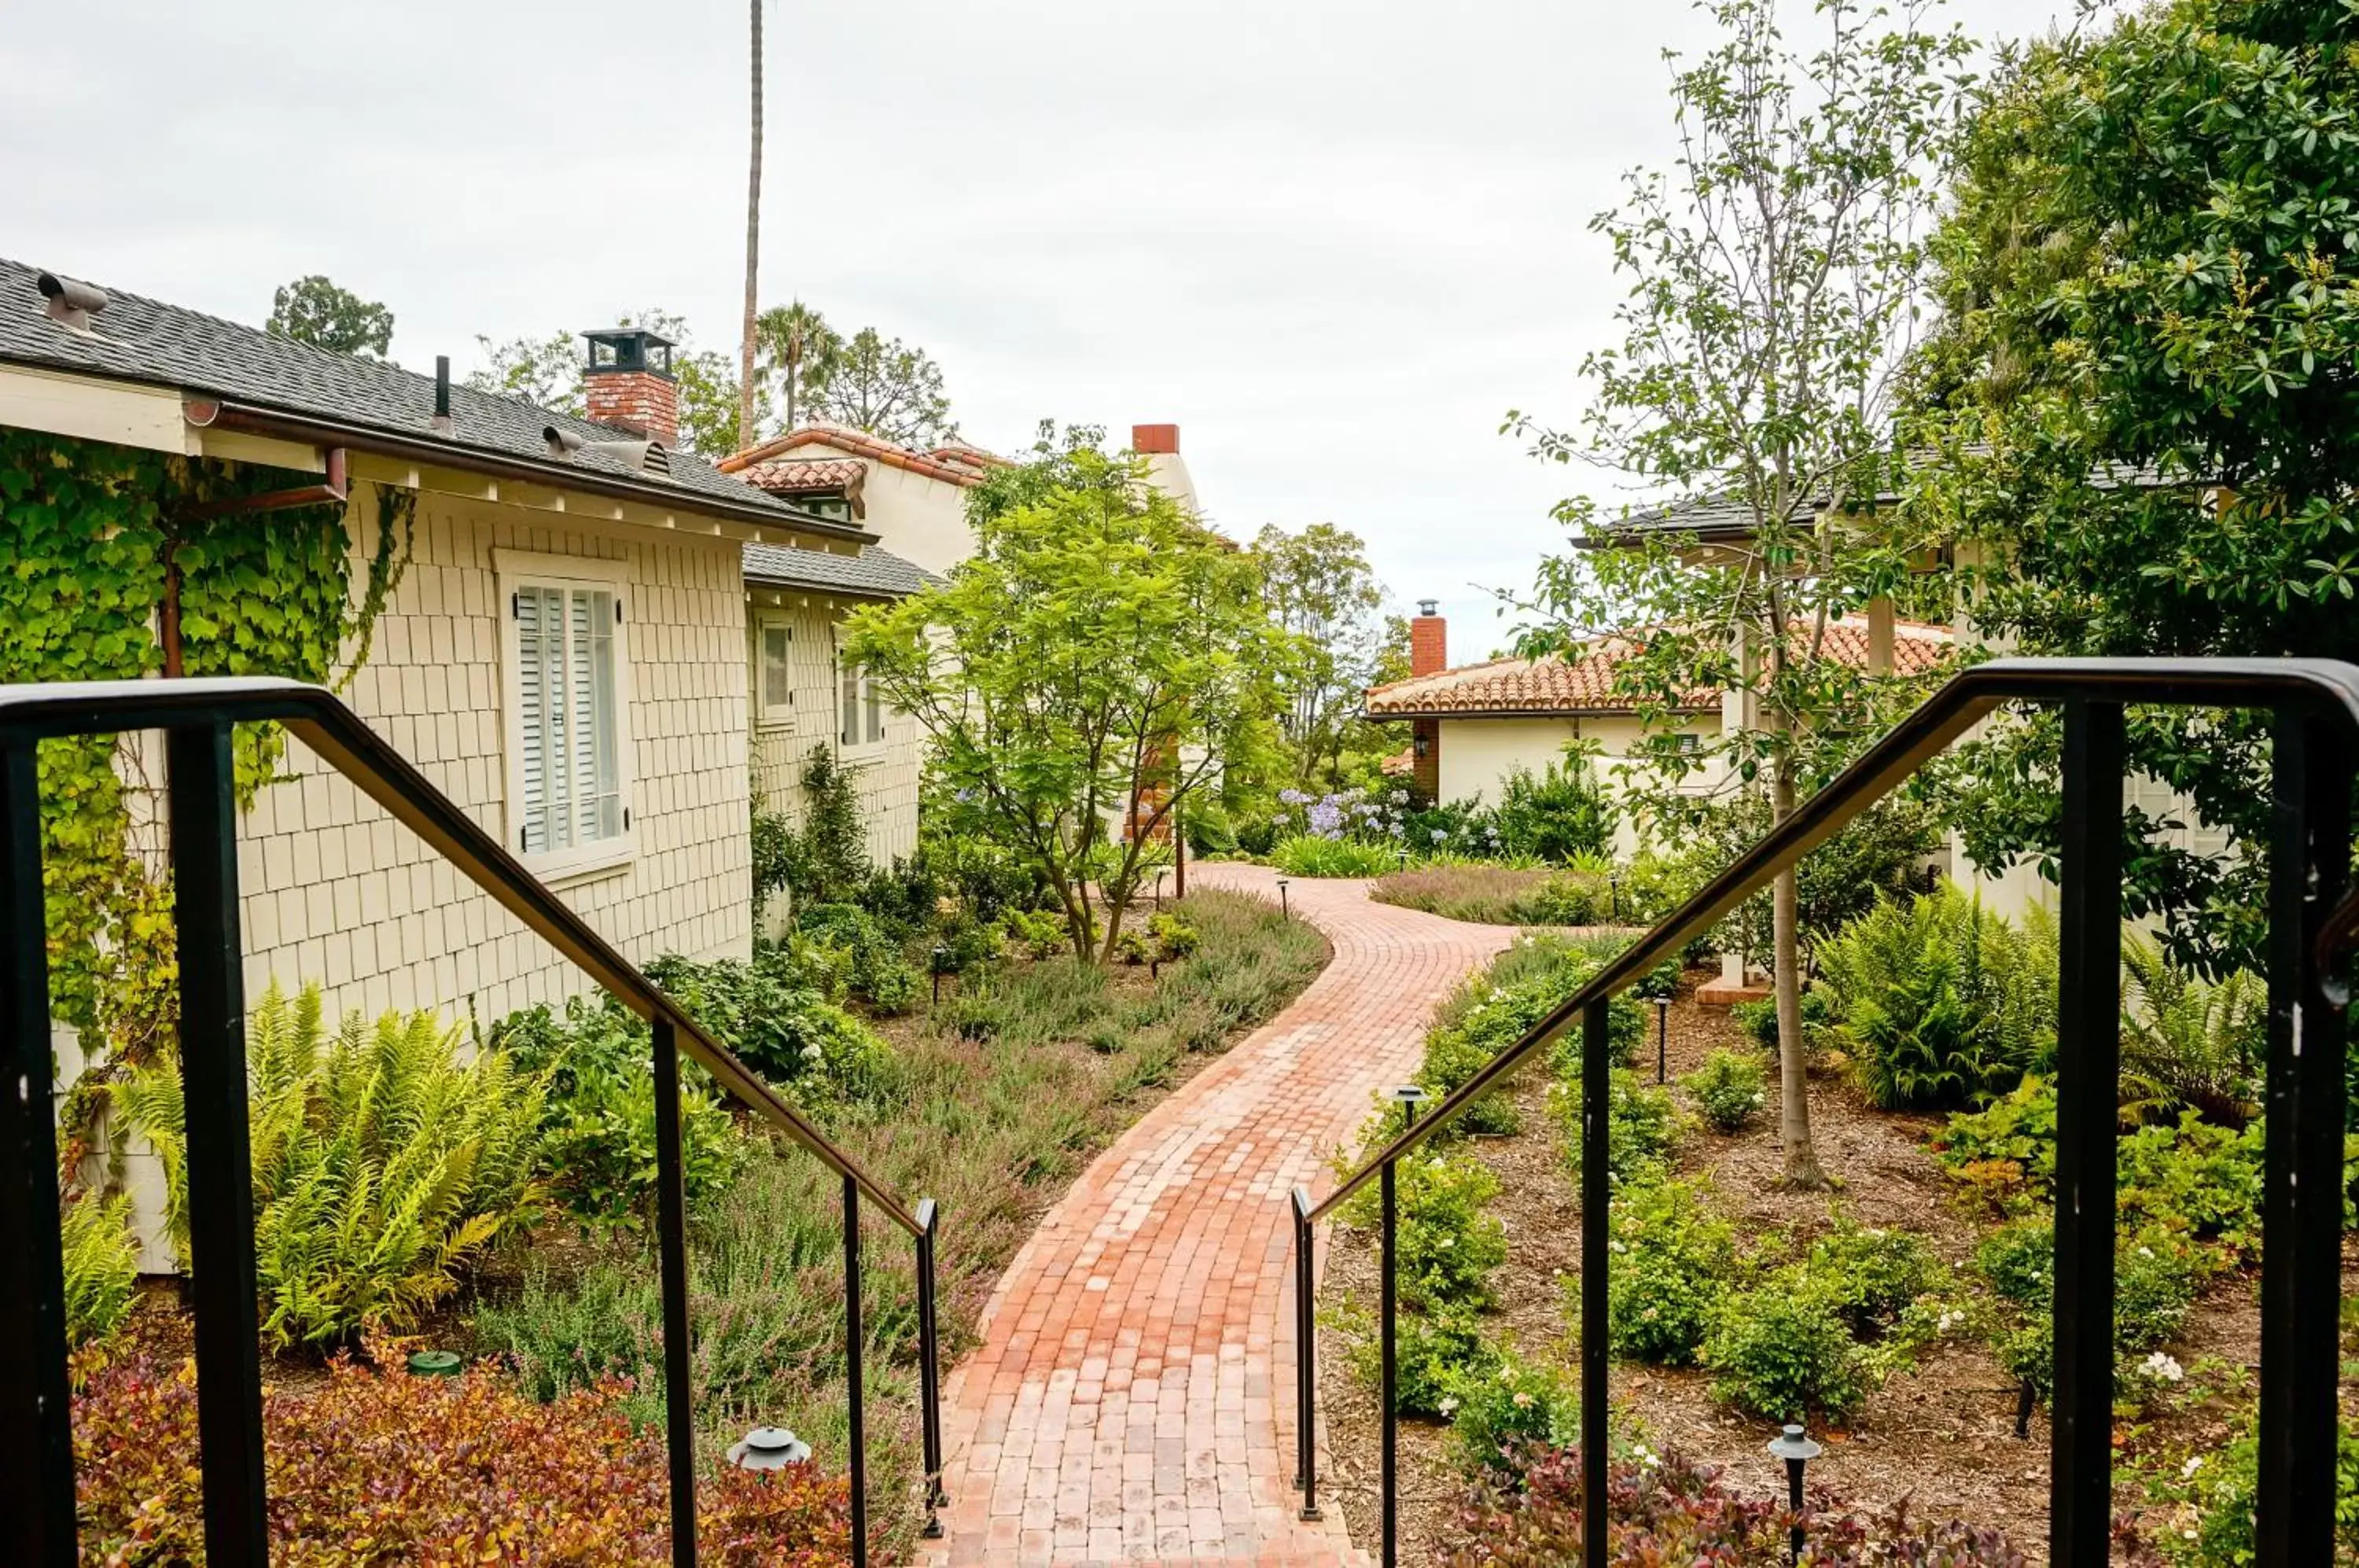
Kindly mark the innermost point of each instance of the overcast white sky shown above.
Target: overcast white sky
(1333, 241)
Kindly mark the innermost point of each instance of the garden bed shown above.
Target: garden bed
(1938, 1435)
(991, 1104)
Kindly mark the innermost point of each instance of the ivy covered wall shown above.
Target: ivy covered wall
(94, 540)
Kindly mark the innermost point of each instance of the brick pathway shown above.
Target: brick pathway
(1133, 1399)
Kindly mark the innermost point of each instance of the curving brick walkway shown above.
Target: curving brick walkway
(1133, 1399)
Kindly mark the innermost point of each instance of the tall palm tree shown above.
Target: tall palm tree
(752, 251)
(798, 340)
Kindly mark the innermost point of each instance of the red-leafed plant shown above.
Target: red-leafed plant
(374, 1468)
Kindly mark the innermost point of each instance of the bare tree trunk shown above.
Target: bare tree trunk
(1785, 957)
(753, 250)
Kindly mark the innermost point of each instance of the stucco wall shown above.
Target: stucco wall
(333, 890)
(920, 519)
(887, 776)
(1476, 755)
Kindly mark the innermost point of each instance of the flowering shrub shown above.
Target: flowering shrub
(1872, 1275)
(1641, 1125)
(1783, 1350)
(2157, 1273)
(1435, 1352)
(1518, 1405)
(1727, 1089)
(1672, 1261)
(1450, 1245)
(1665, 1509)
(2221, 1490)
(371, 1469)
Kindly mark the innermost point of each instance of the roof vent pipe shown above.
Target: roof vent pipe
(442, 425)
(72, 302)
(561, 443)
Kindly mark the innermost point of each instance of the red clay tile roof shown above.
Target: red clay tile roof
(804, 475)
(961, 471)
(1586, 685)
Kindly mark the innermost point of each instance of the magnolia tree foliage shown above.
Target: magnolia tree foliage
(1099, 648)
(1776, 279)
(2144, 395)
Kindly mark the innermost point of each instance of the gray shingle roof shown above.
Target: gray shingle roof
(140, 339)
(872, 573)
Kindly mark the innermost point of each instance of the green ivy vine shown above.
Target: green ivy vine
(94, 537)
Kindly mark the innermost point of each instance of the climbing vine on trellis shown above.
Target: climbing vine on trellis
(91, 536)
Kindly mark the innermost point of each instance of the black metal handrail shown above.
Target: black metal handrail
(2312, 922)
(37, 1481)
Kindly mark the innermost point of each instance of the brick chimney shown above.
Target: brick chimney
(1428, 654)
(1428, 640)
(628, 383)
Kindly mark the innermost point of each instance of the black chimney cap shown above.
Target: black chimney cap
(617, 350)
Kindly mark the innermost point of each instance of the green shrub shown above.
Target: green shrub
(1783, 1352)
(1174, 937)
(771, 1015)
(2019, 1262)
(381, 1164)
(1450, 1244)
(1435, 1354)
(1641, 1125)
(1872, 1275)
(1673, 1262)
(102, 1265)
(1041, 933)
(1134, 946)
(1727, 1089)
(828, 859)
(1306, 855)
(1940, 1002)
(2156, 1274)
(1519, 1405)
(1211, 829)
(1562, 814)
(597, 1157)
(1758, 1019)
(370, 1468)
(2223, 1489)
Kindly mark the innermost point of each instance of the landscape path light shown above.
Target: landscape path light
(1794, 1446)
(1161, 873)
(768, 1448)
(941, 963)
(1284, 912)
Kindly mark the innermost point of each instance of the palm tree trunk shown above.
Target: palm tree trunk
(753, 249)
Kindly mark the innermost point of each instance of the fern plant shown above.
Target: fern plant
(381, 1162)
(102, 1265)
(1941, 1002)
(2188, 1045)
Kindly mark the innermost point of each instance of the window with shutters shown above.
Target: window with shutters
(861, 721)
(569, 802)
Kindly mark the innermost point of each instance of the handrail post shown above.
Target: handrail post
(857, 1438)
(1306, 1374)
(2079, 1504)
(1387, 1390)
(2302, 1204)
(1596, 1089)
(36, 1485)
(202, 791)
(671, 1226)
(929, 1375)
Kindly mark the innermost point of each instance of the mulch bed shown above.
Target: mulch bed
(1941, 1436)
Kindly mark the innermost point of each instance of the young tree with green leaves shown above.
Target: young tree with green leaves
(1320, 588)
(1082, 676)
(2143, 389)
(1777, 278)
(315, 311)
